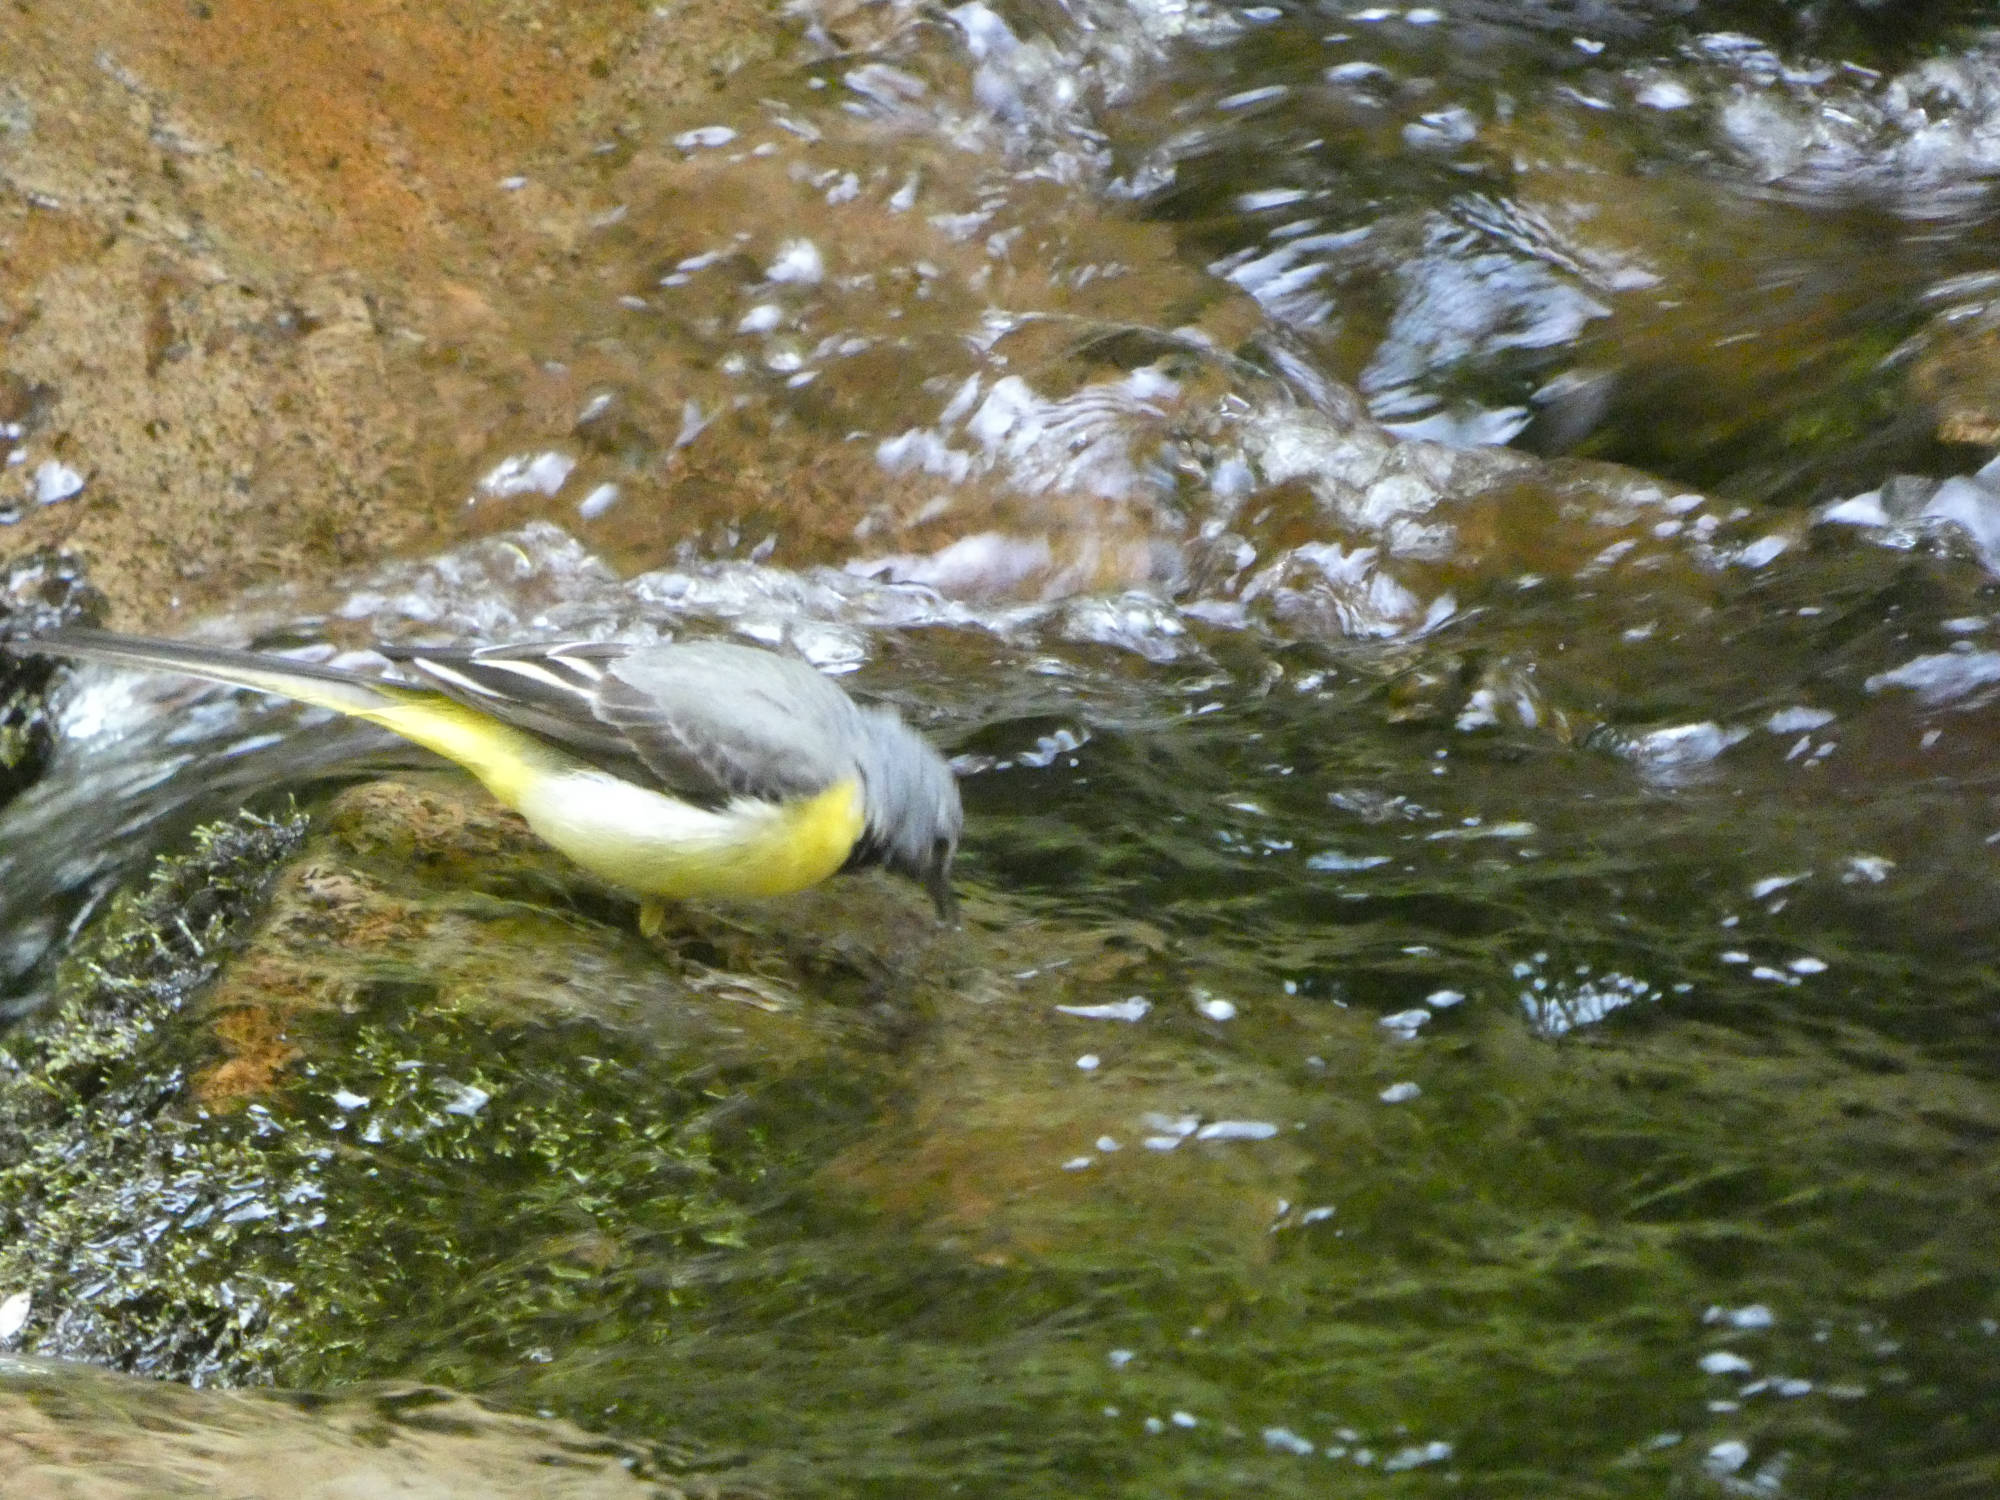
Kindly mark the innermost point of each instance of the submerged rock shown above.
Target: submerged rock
(77, 1433)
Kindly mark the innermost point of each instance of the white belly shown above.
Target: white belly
(656, 845)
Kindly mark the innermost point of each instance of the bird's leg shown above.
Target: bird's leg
(652, 916)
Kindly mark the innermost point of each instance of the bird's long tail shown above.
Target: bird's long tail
(323, 687)
(505, 759)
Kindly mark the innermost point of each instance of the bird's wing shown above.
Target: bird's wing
(706, 720)
(549, 691)
(747, 722)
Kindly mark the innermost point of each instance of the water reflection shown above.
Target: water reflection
(1559, 226)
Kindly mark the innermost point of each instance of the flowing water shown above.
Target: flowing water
(1480, 973)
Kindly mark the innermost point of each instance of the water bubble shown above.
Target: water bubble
(54, 481)
(704, 138)
(1117, 1010)
(527, 473)
(1726, 1457)
(798, 263)
(1236, 1130)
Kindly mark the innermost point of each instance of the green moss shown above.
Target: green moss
(446, 1183)
(102, 1164)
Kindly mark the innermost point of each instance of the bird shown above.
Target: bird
(697, 768)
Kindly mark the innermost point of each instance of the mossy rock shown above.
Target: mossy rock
(310, 1092)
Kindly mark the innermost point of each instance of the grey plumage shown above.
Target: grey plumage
(653, 714)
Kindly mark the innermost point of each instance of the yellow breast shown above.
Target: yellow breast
(654, 844)
(803, 842)
(651, 843)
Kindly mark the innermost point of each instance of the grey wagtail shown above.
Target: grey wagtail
(699, 768)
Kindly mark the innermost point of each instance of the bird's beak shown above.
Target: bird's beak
(937, 881)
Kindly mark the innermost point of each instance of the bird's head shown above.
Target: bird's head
(914, 814)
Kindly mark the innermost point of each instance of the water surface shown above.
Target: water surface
(1478, 973)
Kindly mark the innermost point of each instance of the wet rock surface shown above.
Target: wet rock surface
(80, 1433)
(249, 250)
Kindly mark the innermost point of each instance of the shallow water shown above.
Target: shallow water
(1480, 972)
